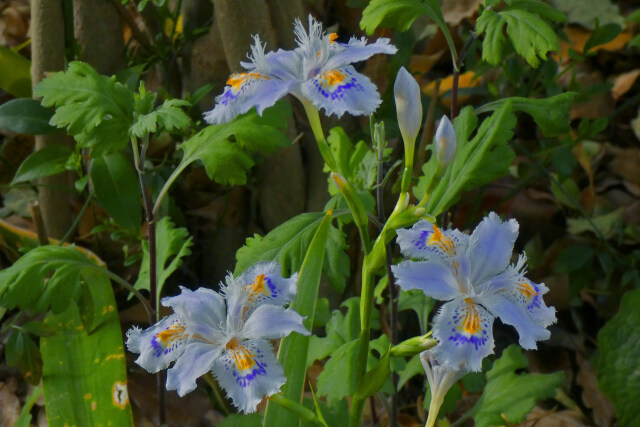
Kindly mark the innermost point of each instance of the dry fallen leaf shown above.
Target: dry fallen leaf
(604, 413)
(424, 63)
(623, 82)
(455, 12)
(543, 418)
(578, 36)
(466, 80)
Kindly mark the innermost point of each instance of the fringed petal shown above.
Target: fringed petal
(465, 333)
(158, 345)
(245, 91)
(434, 278)
(426, 241)
(342, 90)
(201, 306)
(272, 321)
(248, 371)
(357, 50)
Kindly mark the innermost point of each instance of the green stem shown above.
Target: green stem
(305, 414)
(165, 188)
(434, 408)
(316, 127)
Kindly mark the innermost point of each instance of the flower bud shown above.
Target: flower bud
(445, 144)
(408, 106)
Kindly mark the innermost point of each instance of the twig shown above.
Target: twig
(36, 214)
(456, 75)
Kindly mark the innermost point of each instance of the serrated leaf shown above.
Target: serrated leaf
(550, 114)
(25, 283)
(167, 116)
(95, 109)
(172, 244)
(508, 396)
(619, 344)
(49, 160)
(338, 378)
(400, 14)
(602, 11)
(478, 161)
(115, 184)
(530, 35)
(227, 150)
(25, 115)
(288, 243)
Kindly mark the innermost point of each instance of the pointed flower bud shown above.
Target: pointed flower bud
(408, 107)
(445, 142)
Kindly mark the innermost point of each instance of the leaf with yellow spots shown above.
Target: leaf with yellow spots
(84, 374)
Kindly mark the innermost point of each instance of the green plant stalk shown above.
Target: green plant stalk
(357, 209)
(434, 408)
(314, 120)
(302, 412)
(165, 188)
(372, 261)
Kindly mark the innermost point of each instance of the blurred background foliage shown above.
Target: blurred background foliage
(576, 193)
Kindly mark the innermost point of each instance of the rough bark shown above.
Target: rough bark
(283, 13)
(47, 55)
(237, 20)
(98, 30)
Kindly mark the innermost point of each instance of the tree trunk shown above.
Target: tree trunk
(47, 55)
(283, 13)
(98, 30)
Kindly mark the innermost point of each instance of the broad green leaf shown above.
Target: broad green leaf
(619, 359)
(227, 150)
(478, 161)
(411, 369)
(95, 109)
(293, 349)
(602, 35)
(242, 420)
(84, 374)
(115, 184)
(400, 14)
(15, 73)
(22, 351)
(338, 377)
(573, 258)
(420, 303)
(374, 379)
(172, 244)
(530, 34)
(49, 160)
(288, 243)
(551, 114)
(25, 115)
(509, 396)
(608, 225)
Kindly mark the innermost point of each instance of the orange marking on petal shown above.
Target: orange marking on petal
(438, 238)
(334, 76)
(470, 318)
(333, 37)
(241, 355)
(526, 289)
(236, 80)
(171, 333)
(257, 287)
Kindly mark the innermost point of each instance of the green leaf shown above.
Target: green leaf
(338, 378)
(420, 303)
(619, 344)
(293, 348)
(602, 35)
(23, 352)
(287, 244)
(49, 160)
(573, 258)
(84, 374)
(551, 114)
(46, 276)
(172, 244)
(400, 14)
(373, 380)
(508, 396)
(24, 420)
(15, 73)
(530, 34)
(95, 109)
(411, 369)
(115, 184)
(227, 150)
(25, 115)
(242, 420)
(167, 116)
(478, 161)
